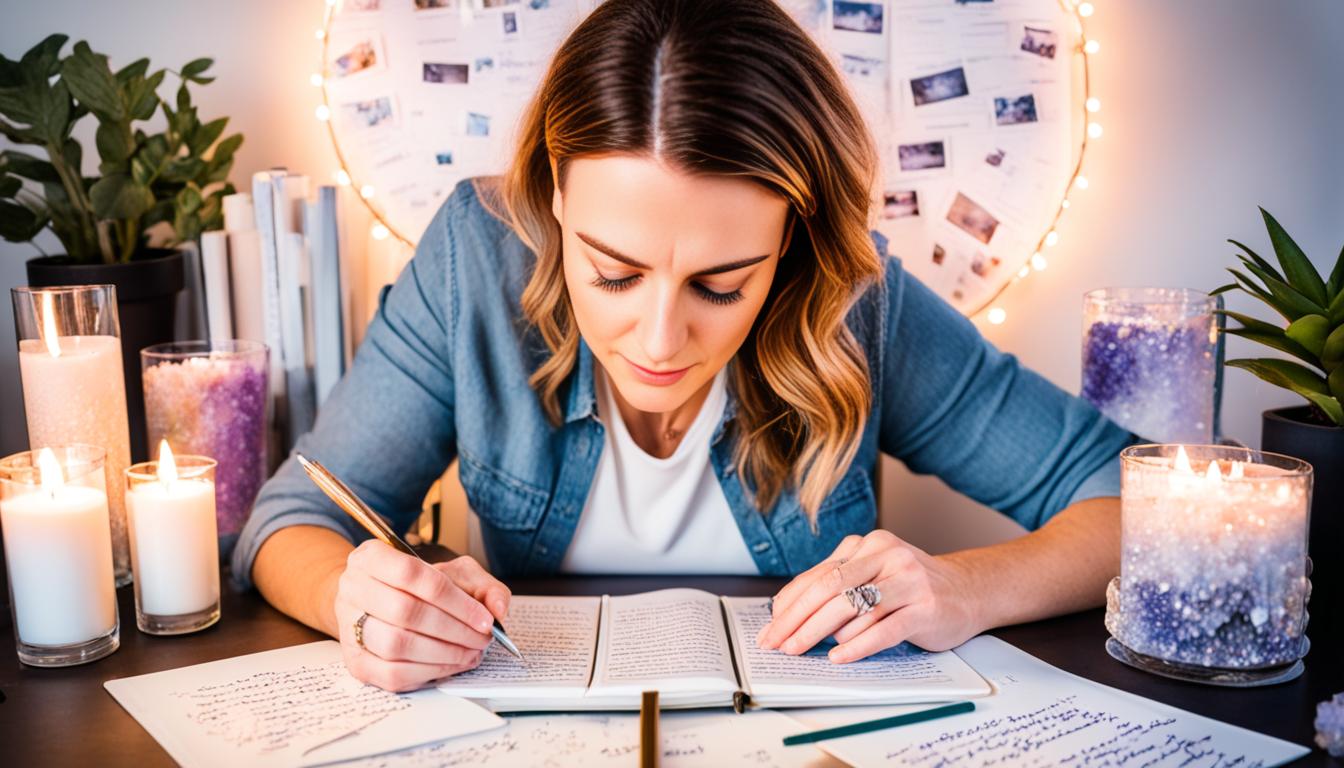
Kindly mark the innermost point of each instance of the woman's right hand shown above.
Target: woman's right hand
(426, 622)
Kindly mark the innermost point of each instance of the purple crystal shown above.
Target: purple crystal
(1330, 725)
(214, 407)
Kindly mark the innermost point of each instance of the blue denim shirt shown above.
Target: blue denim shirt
(443, 374)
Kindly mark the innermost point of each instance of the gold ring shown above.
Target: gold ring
(359, 629)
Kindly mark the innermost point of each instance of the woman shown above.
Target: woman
(665, 342)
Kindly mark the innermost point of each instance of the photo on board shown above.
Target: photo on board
(940, 86)
(922, 156)
(438, 72)
(968, 216)
(1015, 110)
(1041, 42)
(900, 204)
(857, 17)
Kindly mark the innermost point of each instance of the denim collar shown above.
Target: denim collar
(581, 402)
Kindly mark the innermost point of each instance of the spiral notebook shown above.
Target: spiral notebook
(696, 649)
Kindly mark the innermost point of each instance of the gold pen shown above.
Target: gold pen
(346, 499)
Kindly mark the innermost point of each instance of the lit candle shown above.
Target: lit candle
(58, 552)
(1214, 550)
(73, 389)
(174, 542)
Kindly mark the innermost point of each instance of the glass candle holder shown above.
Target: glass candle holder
(174, 543)
(58, 555)
(1213, 574)
(74, 391)
(1151, 359)
(210, 399)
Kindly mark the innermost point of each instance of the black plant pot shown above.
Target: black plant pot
(147, 289)
(1293, 432)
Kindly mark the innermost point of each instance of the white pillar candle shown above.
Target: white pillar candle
(174, 539)
(74, 393)
(58, 548)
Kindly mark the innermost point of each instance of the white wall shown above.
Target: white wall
(1211, 107)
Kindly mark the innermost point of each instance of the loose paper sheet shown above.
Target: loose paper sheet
(291, 706)
(1044, 716)
(689, 740)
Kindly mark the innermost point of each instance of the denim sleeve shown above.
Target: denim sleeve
(387, 429)
(956, 407)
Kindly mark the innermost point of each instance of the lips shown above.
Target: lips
(664, 378)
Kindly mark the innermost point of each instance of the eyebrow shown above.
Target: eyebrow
(621, 257)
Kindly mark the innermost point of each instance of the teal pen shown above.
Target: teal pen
(947, 710)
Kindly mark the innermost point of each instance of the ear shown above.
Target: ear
(557, 201)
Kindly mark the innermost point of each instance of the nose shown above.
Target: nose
(663, 329)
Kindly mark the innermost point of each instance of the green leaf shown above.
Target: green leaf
(1265, 265)
(9, 185)
(1332, 354)
(1224, 289)
(1336, 309)
(182, 169)
(143, 97)
(1291, 376)
(1286, 300)
(43, 60)
(1336, 284)
(133, 71)
(1336, 382)
(91, 82)
(1296, 267)
(29, 167)
(1250, 287)
(149, 161)
(115, 146)
(1309, 331)
(1275, 341)
(196, 67)
(205, 135)
(1251, 323)
(19, 223)
(119, 197)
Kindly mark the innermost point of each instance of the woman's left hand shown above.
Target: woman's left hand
(925, 600)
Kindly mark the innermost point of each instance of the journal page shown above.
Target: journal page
(557, 637)
(672, 640)
(900, 674)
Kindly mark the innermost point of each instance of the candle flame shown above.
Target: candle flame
(167, 466)
(1214, 474)
(49, 331)
(49, 471)
(1183, 461)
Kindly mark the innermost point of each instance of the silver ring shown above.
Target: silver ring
(863, 598)
(359, 629)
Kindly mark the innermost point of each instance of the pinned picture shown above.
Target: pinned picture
(510, 22)
(857, 17)
(437, 72)
(995, 158)
(356, 58)
(368, 113)
(972, 219)
(1015, 111)
(431, 5)
(939, 253)
(483, 64)
(900, 204)
(497, 3)
(982, 267)
(923, 156)
(443, 158)
(478, 124)
(1041, 42)
(940, 86)
(862, 67)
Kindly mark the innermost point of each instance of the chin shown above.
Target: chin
(650, 398)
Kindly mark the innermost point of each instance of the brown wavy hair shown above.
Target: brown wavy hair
(733, 88)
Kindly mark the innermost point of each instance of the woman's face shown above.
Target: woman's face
(666, 271)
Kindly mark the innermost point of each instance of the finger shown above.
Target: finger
(843, 551)
(836, 613)
(397, 644)
(857, 547)
(892, 596)
(832, 583)
(398, 676)
(468, 574)
(405, 610)
(890, 631)
(414, 576)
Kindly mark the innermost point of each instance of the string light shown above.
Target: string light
(996, 315)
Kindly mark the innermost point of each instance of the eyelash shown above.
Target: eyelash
(713, 297)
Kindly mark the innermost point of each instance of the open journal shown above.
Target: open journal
(696, 649)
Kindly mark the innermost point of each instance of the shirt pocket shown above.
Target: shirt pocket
(851, 508)
(499, 499)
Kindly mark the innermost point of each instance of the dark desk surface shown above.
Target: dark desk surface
(64, 716)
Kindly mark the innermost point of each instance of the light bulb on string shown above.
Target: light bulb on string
(342, 177)
(1064, 204)
(1086, 9)
(319, 33)
(366, 191)
(323, 112)
(996, 315)
(1038, 262)
(1091, 46)
(1094, 130)
(1093, 104)
(1023, 272)
(1081, 182)
(315, 79)
(1051, 239)
(379, 232)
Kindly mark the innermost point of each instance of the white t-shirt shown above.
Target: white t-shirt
(650, 515)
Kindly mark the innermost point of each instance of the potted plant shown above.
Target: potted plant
(1312, 309)
(151, 191)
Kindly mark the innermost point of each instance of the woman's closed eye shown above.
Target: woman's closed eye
(617, 284)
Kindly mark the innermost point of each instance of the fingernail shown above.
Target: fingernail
(483, 625)
(838, 656)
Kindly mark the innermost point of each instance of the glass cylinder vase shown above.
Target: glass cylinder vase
(73, 385)
(1213, 574)
(58, 555)
(1151, 359)
(210, 399)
